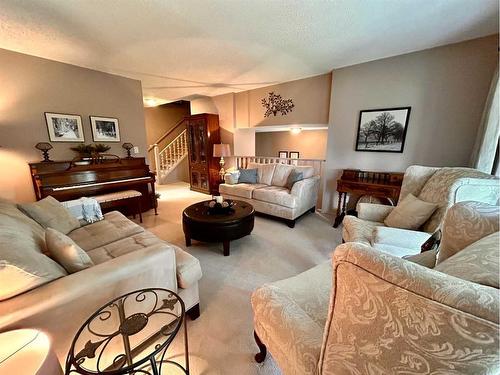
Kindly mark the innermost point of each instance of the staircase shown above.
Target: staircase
(168, 158)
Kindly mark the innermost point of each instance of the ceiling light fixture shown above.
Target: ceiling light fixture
(150, 102)
(295, 130)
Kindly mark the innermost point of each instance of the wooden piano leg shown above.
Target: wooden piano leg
(155, 200)
(340, 213)
(139, 208)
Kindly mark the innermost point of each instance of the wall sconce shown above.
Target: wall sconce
(295, 131)
(44, 147)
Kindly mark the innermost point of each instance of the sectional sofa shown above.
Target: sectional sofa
(36, 292)
(270, 196)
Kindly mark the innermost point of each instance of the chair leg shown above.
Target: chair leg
(261, 355)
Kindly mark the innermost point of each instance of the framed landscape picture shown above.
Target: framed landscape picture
(105, 129)
(64, 128)
(283, 154)
(382, 130)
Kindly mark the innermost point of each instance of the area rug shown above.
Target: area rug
(221, 339)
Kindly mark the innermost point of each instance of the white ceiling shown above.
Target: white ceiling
(184, 48)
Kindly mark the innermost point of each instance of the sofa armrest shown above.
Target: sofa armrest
(392, 315)
(373, 212)
(61, 306)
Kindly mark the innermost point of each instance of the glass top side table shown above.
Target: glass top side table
(130, 335)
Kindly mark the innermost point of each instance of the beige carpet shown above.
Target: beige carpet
(221, 340)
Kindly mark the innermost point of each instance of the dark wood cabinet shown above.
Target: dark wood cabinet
(203, 131)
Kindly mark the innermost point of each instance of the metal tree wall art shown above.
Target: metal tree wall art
(275, 103)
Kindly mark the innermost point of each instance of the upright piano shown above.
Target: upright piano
(385, 185)
(66, 180)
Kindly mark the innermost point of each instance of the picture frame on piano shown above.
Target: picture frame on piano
(105, 129)
(64, 127)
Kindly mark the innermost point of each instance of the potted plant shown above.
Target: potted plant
(84, 151)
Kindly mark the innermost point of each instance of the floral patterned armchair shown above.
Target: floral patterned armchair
(368, 312)
(442, 186)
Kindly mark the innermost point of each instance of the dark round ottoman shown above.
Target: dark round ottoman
(199, 224)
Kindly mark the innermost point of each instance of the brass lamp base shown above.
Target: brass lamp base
(222, 171)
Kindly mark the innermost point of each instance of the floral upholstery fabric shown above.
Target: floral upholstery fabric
(478, 262)
(358, 230)
(391, 316)
(289, 317)
(447, 184)
(416, 176)
(373, 211)
(464, 224)
(426, 259)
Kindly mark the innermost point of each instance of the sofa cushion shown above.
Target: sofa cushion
(409, 239)
(114, 227)
(276, 195)
(281, 173)
(239, 190)
(478, 262)
(410, 213)
(464, 224)
(290, 316)
(16, 226)
(49, 212)
(265, 172)
(248, 176)
(23, 268)
(66, 252)
(124, 246)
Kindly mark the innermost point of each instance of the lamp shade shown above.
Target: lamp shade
(221, 150)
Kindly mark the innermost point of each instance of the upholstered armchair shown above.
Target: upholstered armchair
(368, 312)
(441, 186)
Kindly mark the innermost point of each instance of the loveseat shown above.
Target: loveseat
(126, 258)
(368, 312)
(441, 186)
(269, 195)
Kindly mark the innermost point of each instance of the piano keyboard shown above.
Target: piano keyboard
(100, 183)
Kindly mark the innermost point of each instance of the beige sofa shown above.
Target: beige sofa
(368, 312)
(442, 186)
(270, 196)
(126, 258)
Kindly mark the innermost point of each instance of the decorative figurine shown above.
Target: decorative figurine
(44, 147)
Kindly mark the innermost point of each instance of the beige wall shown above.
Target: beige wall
(30, 86)
(311, 144)
(446, 88)
(161, 119)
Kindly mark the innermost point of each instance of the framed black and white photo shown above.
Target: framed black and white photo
(283, 154)
(64, 128)
(382, 130)
(294, 155)
(105, 129)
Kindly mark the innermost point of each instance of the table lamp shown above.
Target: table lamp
(44, 147)
(221, 150)
(128, 146)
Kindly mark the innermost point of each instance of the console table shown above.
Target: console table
(377, 184)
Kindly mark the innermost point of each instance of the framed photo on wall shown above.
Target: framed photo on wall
(382, 130)
(105, 129)
(294, 155)
(283, 154)
(64, 128)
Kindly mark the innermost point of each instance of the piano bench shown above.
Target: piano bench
(118, 197)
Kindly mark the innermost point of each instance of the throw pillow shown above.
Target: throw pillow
(410, 213)
(293, 177)
(231, 178)
(248, 176)
(464, 224)
(49, 212)
(66, 252)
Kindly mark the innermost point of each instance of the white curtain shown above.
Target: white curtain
(486, 146)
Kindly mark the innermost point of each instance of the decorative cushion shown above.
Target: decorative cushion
(410, 213)
(231, 178)
(265, 172)
(49, 212)
(478, 262)
(67, 253)
(248, 176)
(281, 173)
(464, 224)
(293, 177)
(402, 238)
(307, 171)
(22, 266)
